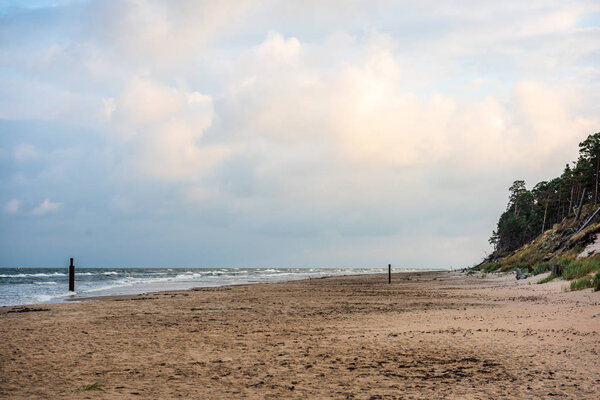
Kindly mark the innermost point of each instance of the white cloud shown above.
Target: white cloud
(109, 107)
(160, 33)
(161, 129)
(278, 51)
(25, 151)
(12, 207)
(362, 113)
(332, 118)
(45, 207)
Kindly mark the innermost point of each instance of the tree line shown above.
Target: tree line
(530, 212)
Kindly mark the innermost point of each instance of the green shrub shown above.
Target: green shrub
(579, 268)
(490, 267)
(543, 267)
(93, 386)
(596, 282)
(547, 279)
(563, 261)
(581, 283)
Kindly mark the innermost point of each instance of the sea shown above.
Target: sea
(24, 286)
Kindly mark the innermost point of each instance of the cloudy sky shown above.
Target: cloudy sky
(282, 133)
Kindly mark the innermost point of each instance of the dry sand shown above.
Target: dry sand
(437, 335)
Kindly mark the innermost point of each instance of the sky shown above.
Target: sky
(282, 133)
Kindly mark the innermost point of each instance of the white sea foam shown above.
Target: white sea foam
(116, 284)
(46, 298)
(132, 281)
(31, 275)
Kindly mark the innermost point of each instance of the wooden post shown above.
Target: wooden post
(71, 277)
(389, 273)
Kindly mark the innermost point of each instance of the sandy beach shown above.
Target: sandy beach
(427, 335)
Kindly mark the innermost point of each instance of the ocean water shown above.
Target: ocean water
(20, 286)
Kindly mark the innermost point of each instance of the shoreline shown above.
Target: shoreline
(233, 285)
(427, 335)
(148, 287)
(123, 297)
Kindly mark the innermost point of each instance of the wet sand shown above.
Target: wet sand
(426, 336)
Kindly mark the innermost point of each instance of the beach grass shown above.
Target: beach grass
(491, 267)
(579, 268)
(547, 279)
(541, 268)
(596, 282)
(581, 283)
(93, 386)
(578, 271)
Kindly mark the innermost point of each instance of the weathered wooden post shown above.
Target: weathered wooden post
(71, 277)
(556, 270)
(389, 273)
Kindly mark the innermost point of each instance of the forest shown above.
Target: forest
(530, 212)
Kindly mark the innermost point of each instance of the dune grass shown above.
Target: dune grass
(93, 386)
(578, 271)
(581, 283)
(580, 268)
(541, 268)
(596, 282)
(491, 267)
(547, 279)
